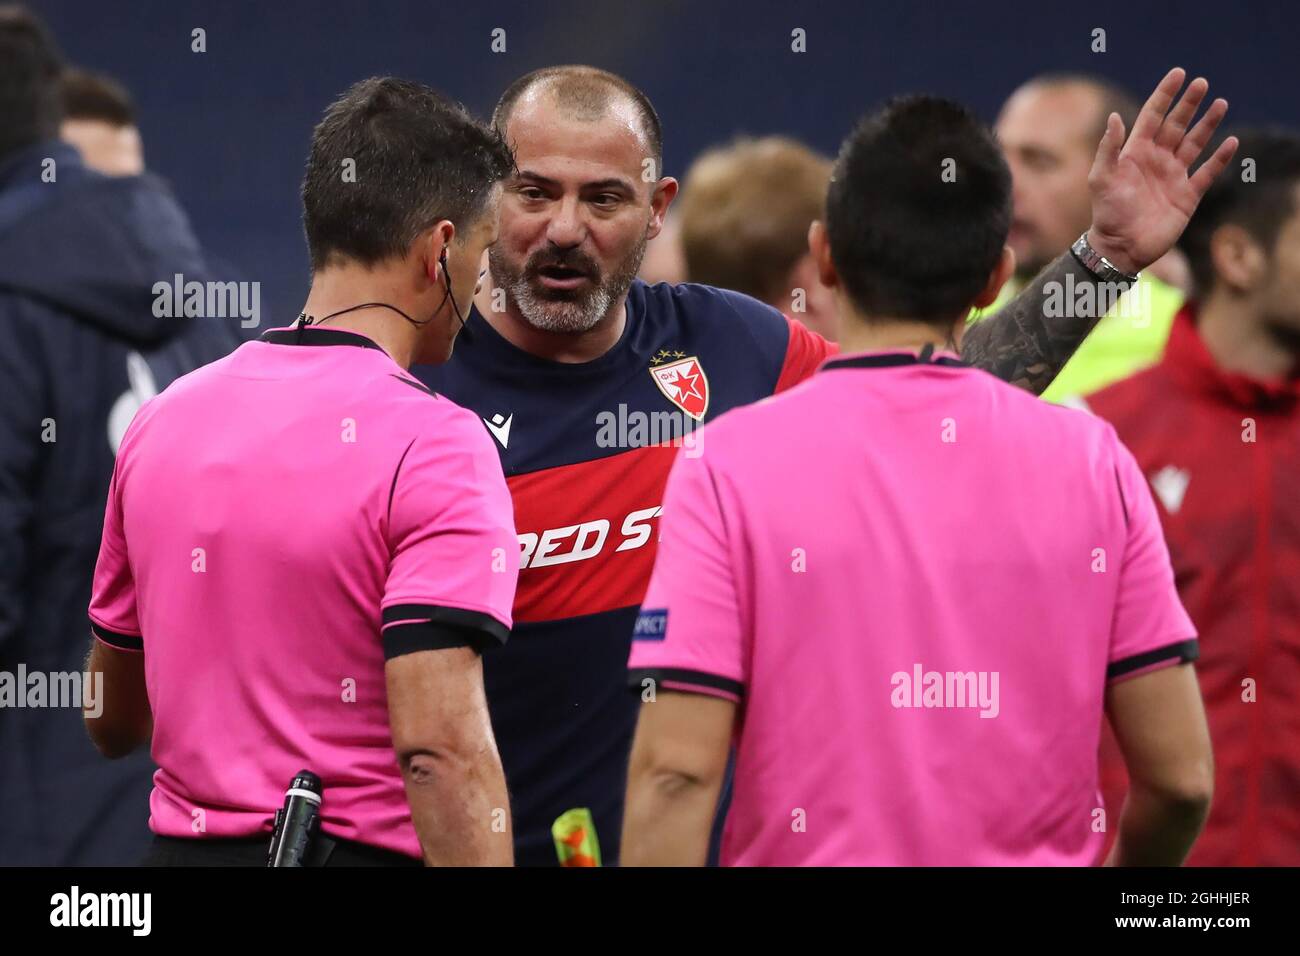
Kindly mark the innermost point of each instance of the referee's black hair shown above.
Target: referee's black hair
(587, 91)
(30, 67)
(918, 210)
(391, 158)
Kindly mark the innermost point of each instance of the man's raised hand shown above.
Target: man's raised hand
(1143, 192)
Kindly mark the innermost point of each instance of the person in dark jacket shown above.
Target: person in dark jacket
(84, 340)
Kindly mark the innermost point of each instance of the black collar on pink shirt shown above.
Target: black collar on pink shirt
(886, 359)
(307, 335)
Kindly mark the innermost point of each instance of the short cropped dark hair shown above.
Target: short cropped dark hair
(94, 96)
(1260, 204)
(918, 210)
(588, 92)
(30, 65)
(416, 156)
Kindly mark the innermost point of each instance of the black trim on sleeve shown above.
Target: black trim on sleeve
(123, 642)
(1184, 652)
(636, 675)
(430, 627)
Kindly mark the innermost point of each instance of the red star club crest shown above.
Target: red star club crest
(682, 382)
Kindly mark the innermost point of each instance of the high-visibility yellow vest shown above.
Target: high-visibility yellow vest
(1130, 337)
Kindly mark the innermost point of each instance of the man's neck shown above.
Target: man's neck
(344, 287)
(862, 335)
(1239, 340)
(564, 347)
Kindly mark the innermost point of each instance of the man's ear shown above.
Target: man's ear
(997, 279)
(1239, 261)
(437, 239)
(662, 197)
(819, 247)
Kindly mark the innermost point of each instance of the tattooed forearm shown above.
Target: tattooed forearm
(1033, 336)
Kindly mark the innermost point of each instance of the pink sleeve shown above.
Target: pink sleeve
(454, 554)
(113, 615)
(1150, 628)
(690, 634)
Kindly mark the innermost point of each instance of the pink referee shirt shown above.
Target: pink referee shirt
(916, 581)
(279, 523)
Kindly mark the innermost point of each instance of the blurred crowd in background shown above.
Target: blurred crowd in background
(1199, 373)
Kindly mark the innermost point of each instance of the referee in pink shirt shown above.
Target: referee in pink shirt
(912, 675)
(305, 551)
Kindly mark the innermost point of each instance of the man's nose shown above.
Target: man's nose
(567, 228)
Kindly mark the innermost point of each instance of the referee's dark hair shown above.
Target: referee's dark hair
(918, 210)
(390, 159)
(1259, 201)
(30, 66)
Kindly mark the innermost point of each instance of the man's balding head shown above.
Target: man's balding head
(585, 93)
(1049, 129)
(1103, 96)
(585, 198)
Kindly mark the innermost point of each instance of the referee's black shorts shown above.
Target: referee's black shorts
(252, 851)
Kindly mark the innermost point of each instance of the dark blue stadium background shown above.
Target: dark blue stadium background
(230, 127)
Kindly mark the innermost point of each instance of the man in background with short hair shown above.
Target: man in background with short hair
(1049, 129)
(1215, 428)
(99, 119)
(745, 212)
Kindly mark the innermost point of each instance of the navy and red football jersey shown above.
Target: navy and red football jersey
(582, 446)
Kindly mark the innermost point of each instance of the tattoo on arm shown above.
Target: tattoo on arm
(1032, 337)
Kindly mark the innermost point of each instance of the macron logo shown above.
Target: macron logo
(1170, 485)
(499, 426)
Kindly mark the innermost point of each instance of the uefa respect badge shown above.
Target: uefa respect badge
(574, 833)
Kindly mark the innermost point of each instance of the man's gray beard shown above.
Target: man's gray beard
(571, 316)
(557, 315)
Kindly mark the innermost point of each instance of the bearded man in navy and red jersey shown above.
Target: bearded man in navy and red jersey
(1216, 429)
(575, 368)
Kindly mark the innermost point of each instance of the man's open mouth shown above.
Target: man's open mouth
(562, 277)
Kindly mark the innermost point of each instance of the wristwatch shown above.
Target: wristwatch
(1098, 264)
